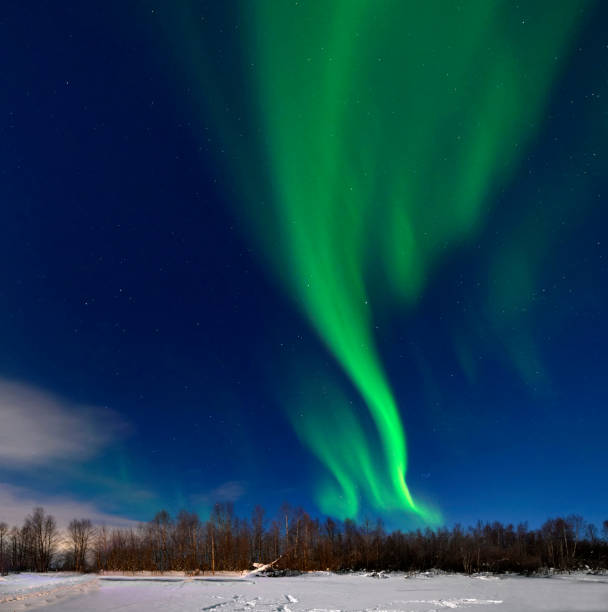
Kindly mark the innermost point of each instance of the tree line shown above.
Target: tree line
(296, 541)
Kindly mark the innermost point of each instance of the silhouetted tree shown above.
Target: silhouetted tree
(80, 532)
(295, 540)
(3, 538)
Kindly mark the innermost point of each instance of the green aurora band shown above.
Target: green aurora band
(383, 129)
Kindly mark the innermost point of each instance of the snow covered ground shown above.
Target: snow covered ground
(322, 592)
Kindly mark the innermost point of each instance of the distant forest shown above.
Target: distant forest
(295, 541)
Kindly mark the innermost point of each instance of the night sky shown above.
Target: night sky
(348, 255)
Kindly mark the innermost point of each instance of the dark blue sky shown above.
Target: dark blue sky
(128, 284)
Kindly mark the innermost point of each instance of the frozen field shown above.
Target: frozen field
(320, 591)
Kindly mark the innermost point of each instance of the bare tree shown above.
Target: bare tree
(293, 540)
(80, 532)
(3, 534)
(186, 539)
(101, 548)
(257, 521)
(161, 527)
(41, 531)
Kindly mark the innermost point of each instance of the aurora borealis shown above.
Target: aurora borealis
(360, 236)
(382, 149)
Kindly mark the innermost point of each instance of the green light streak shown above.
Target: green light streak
(348, 449)
(386, 126)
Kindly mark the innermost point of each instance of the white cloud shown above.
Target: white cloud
(17, 502)
(228, 491)
(36, 427)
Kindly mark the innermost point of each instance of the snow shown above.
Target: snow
(20, 591)
(317, 592)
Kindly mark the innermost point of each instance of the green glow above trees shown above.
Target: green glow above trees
(384, 129)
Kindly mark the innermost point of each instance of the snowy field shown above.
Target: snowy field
(319, 591)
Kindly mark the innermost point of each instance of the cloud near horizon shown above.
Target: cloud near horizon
(17, 502)
(37, 427)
